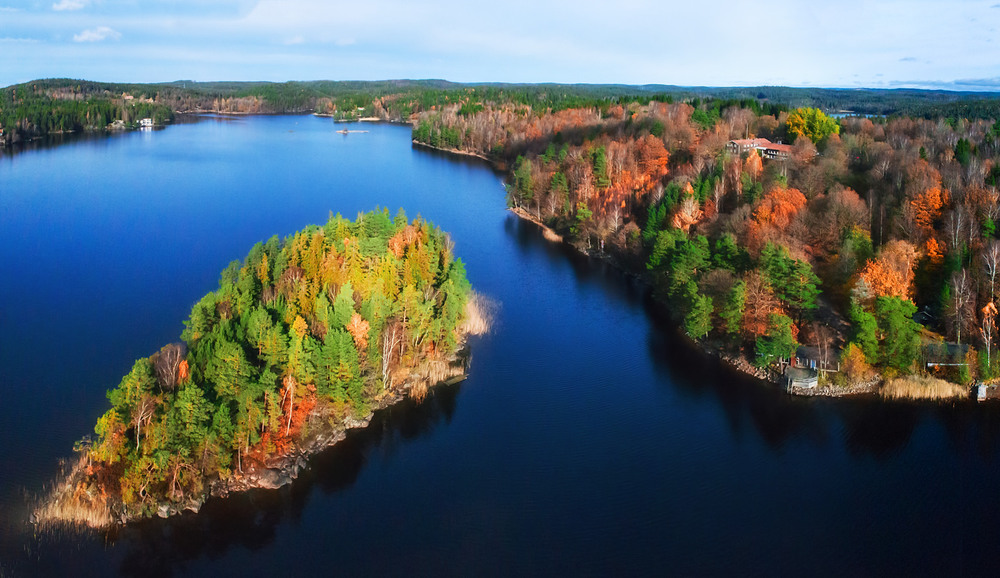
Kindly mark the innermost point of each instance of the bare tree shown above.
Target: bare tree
(392, 340)
(956, 222)
(142, 414)
(988, 328)
(961, 300)
(823, 339)
(553, 201)
(718, 192)
(165, 363)
(290, 384)
(615, 218)
(991, 264)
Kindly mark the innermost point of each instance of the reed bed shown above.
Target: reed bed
(922, 387)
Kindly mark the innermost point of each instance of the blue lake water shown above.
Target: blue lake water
(588, 439)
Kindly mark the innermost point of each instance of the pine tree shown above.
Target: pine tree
(778, 342)
(698, 321)
(865, 332)
(900, 332)
(733, 308)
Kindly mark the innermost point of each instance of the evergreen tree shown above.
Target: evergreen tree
(600, 163)
(733, 308)
(865, 332)
(343, 306)
(900, 333)
(777, 342)
(728, 255)
(698, 321)
(689, 259)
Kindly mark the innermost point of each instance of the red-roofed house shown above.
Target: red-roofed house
(767, 149)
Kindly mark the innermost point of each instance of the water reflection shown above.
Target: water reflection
(864, 425)
(250, 519)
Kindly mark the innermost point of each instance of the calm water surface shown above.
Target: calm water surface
(587, 439)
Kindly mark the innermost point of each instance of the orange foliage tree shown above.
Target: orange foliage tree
(772, 215)
(778, 207)
(927, 208)
(754, 166)
(891, 274)
(760, 303)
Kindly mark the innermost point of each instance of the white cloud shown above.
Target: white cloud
(70, 5)
(295, 40)
(18, 40)
(97, 35)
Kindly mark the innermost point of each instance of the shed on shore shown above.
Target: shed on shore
(800, 377)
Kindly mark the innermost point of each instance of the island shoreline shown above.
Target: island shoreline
(62, 506)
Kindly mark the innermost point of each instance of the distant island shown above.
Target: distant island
(304, 338)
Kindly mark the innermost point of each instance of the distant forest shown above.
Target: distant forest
(49, 106)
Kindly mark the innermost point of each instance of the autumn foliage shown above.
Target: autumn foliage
(293, 335)
(891, 274)
(773, 214)
(927, 208)
(866, 209)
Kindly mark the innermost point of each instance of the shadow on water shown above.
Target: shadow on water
(250, 519)
(865, 425)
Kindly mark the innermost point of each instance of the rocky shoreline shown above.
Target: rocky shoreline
(284, 469)
(457, 152)
(737, 362)
(72, 501)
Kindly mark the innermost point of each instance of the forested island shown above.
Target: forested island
(304, 338)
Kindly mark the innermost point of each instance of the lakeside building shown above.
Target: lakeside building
(800, 378)
(767, 149)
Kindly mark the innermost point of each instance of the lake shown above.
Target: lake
(588, 438)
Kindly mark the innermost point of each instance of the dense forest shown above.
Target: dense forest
(29, 111)
(301, 335)
(836, 241)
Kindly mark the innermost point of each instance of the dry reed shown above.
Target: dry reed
(72, 502)
(480, 311)
(922, 387)
(551, 235)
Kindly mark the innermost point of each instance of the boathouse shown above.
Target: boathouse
(800, 378)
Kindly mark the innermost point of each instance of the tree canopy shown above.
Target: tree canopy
(316, 324)
(811, 123)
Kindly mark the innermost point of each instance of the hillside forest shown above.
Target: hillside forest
(860, 229)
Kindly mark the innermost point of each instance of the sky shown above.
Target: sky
(845, 43)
